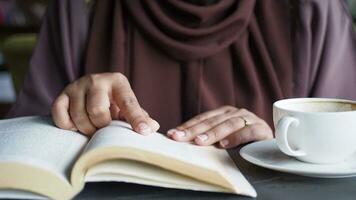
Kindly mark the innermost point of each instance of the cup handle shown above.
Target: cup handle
(281, 136)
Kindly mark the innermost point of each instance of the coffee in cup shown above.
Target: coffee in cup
(316, 130)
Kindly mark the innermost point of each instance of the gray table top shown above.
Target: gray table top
(270, 185)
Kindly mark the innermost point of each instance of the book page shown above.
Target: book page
(120, 134)
(142, 173)
(37, 142)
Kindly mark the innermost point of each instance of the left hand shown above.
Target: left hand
(227, 125)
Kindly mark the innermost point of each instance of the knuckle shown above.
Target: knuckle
(92, 77)
(243, 110)
(97, 110)
(200, 117)
(71, 88)
(74, 88)
(235, 113)
(129, 102)
(119, 78)
(75, 115)
(229, 108)
(94, 81)
(208, 123)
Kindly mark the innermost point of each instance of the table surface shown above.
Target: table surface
(270, 185)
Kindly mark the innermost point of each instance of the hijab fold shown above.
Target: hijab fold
(187, 57)
(184, 57)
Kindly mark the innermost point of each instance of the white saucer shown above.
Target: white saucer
(266, 154)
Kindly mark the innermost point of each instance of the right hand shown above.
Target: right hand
(92, 101)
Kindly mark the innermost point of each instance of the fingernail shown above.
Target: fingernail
(171, 131)
(144, 129)
(179, 133)
(224, 143)
(202, 137)
(74, 129)
(156, 123)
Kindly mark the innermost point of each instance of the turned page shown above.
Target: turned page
(35, 141)
(119, 134)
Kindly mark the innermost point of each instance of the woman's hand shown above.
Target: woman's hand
(227, 125)
(93, 101)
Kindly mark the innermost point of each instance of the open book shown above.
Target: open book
(38, 160)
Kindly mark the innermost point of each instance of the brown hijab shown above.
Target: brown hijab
(189, 56)
(183, 57)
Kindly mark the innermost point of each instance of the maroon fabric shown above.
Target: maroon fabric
(183, 59)
(186, 57)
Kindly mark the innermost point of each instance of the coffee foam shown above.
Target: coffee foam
(320, 106)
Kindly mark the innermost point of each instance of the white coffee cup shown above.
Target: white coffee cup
(316, 130)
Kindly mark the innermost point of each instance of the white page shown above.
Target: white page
(36, 141)
(131, 171)
(120, 134)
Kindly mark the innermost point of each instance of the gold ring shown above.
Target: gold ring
(246, 122)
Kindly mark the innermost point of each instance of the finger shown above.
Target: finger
(79, 114)
(60, 113)
(199, 128)
(130, 108)
(204, 116)
(151, 122)
(220, 131)
(98, 107)
(258, 131)
(154, 124)
(145, 113)
(114, 111)
(131, 111)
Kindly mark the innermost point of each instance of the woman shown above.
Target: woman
(208, 70)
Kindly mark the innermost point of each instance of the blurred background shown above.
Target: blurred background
(19, 24)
